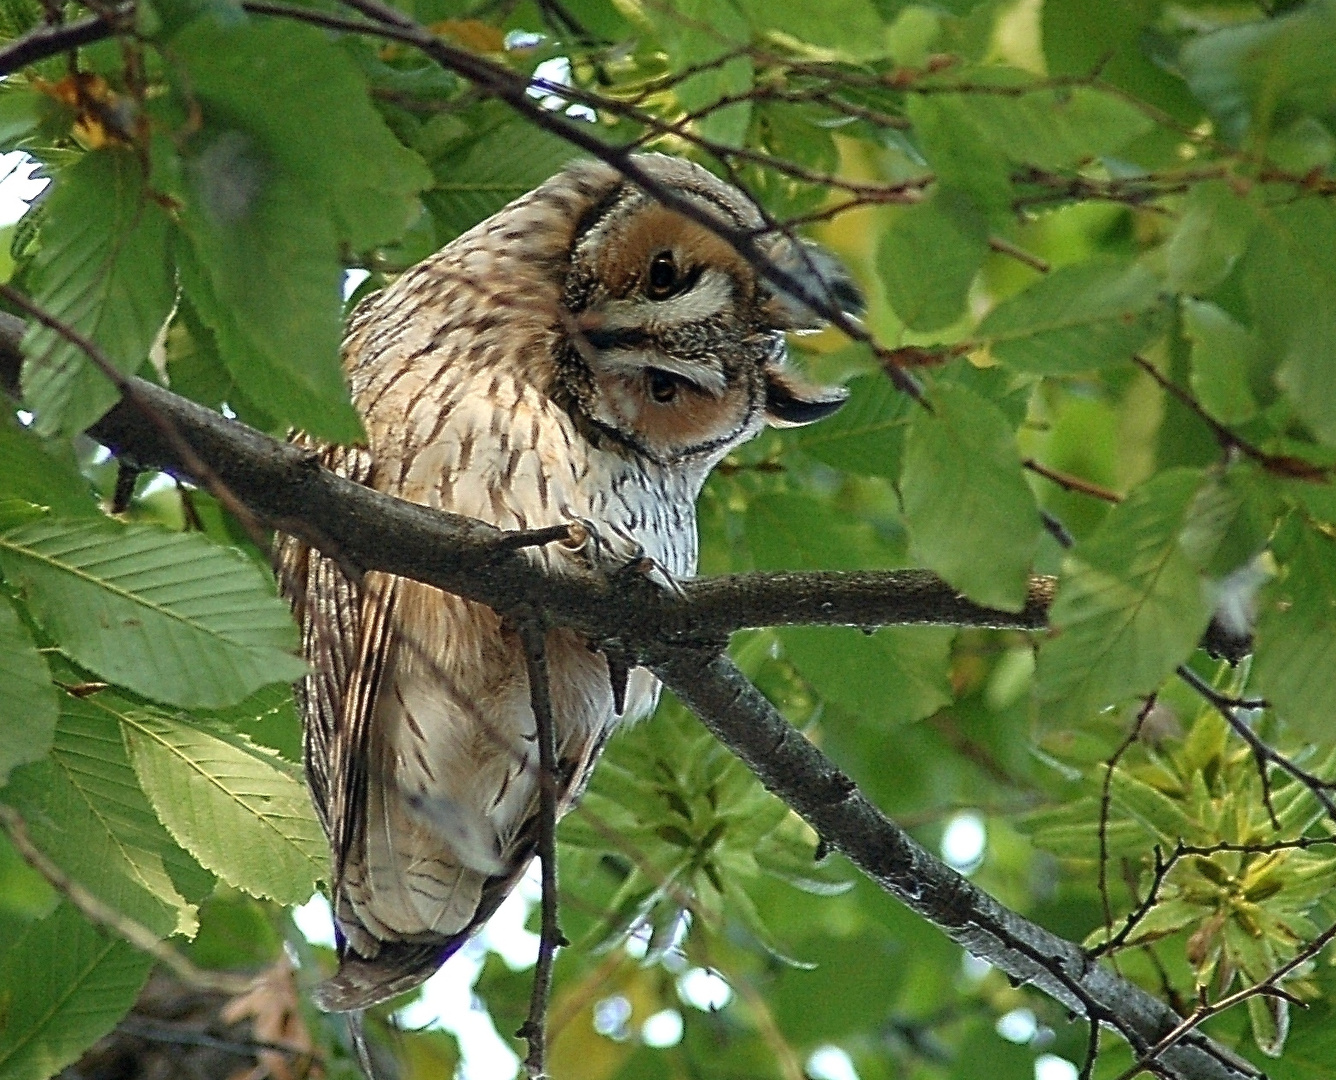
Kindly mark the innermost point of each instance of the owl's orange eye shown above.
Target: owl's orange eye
(662, 276)
(662, 386)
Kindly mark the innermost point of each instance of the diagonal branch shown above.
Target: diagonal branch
(800, 774)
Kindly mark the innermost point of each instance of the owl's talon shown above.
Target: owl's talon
(659, 575)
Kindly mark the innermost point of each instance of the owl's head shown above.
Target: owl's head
(674, 345)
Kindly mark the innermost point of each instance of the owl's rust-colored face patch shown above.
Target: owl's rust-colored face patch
(681, 343)
(670, 415)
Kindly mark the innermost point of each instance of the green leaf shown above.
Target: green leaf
(1247, 74)
(29, 711)
(866, 435)
(972, 165)
(1295, 659)
(479, 176)
(103, 270)
(1224, 355)
(172, 616)
(304, 103)
(1166, 917)
(269, 193)
(971, 516)
(793, 531)
(852, 29)
(85, 809)
(1046, 127)
(1115, 39)
(1160, 814)
(929, 257)
(1076, 318)
(266, 282)
(1290, 277)
(696, 33)
(241, 811)
(1130, 605)
(63, 985)
(1071, 830)
(43, 473)
(1230, 521)
(1211, 236)
(19, 115)
(896, 676)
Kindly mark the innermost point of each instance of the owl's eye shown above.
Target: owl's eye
(662, 278)
(662, 386)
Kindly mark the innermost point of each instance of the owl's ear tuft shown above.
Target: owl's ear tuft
(820, 273)
(790, 402)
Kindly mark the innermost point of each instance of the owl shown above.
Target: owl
(584, 356)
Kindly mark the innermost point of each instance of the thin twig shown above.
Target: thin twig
(102, 914)
(1268, 986)
(1106, 802)
(1068, 482)
(1262, 751)
(1283, 465)
(533, 633)
(129, 390)
(49, 40)
(1005, 247)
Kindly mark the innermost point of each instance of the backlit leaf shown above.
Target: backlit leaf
(970, 513)
(1130, 606)
(242, 811)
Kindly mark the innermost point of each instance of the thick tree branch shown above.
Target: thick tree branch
(287, 488)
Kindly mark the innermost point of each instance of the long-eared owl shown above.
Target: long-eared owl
(584, 355)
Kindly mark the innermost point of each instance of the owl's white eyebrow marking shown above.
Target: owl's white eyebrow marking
(710, 296)
(634, 361)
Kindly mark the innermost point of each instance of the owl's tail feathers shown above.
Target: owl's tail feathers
(399, 967)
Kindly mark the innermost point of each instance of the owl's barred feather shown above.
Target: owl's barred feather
(584, 355)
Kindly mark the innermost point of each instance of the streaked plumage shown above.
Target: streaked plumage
(583, 355)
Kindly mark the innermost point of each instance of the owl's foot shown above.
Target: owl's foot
(613, 553)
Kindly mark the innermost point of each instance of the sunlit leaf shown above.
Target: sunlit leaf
(173, 616)
(241, 811)
(85, 810)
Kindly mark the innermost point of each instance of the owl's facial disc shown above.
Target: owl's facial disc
(682, 343)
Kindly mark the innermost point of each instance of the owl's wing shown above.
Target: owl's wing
(329, 607)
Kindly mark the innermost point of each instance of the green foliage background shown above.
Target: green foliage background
(1087, 182)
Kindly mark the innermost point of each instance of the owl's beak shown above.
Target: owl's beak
(790, 402)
